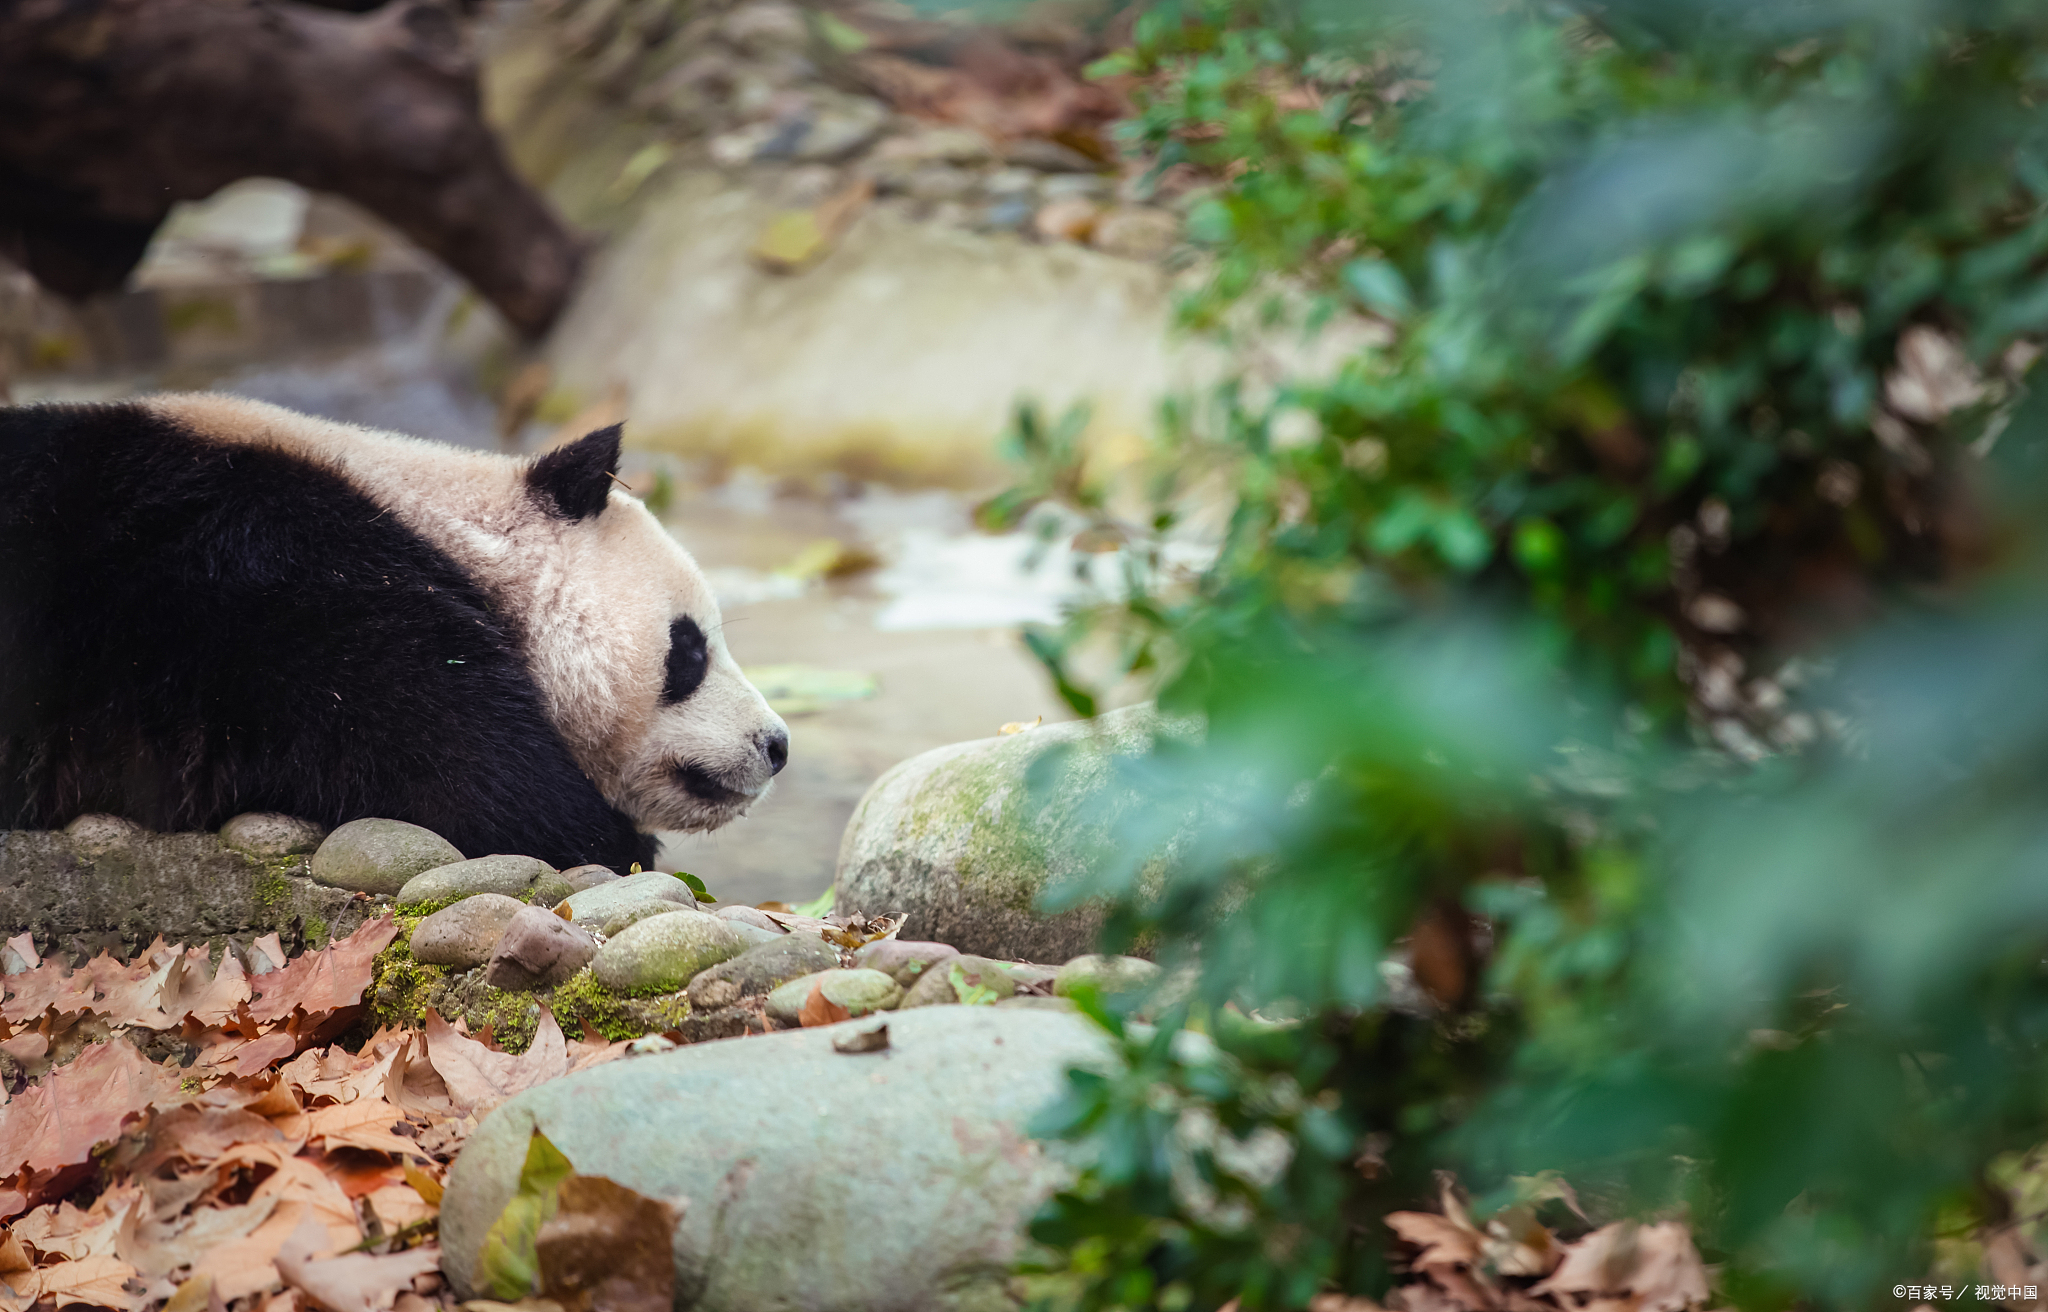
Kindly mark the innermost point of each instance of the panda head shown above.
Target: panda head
(625, 641)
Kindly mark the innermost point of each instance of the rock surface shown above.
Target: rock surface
(267, 835)
(754, 1133)
(463, 935)
(665, 952)
(579, 878)
(943, 985)
(600, 908)
(538, 950)
(903, 962)
(512, 876)
(1104, 974)
(760, 969)
(954, 841)
(859, 991)
(110, 885)
(379, 856)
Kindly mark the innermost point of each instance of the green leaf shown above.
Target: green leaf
(508, 1267)
(1380, 287)
(697, 889)
(820, 905)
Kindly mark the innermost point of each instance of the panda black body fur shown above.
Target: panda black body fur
(193, 626)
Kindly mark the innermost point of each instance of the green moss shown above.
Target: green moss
(421, 910)
(318, 931)
(582, 1000)
(273, 889)
(400, 987)
(513, 1017)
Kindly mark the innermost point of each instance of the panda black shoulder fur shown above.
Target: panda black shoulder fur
(210, 605)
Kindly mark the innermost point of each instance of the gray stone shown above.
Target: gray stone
(747, 1131)
(938, 182)
(538, 950)
(840, 128)
(859, 991)
(1029, 974)
(1034, 1002)
(579, 878)
(549, 889)
(95, 835)
(664, 952)
(512, 876)
(1086, 186)
(760, 969)
(955, 841)
(1137, 234)
(746, 915)
(598, 908)
(379, 856)
(1006, 183)
(901, 961)
(463, 935)
(957, 979)
(1105, 975)
(119, 886)
(754, 934)
(268, 835)
(1048, 157)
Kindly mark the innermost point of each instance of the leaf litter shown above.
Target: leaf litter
(274, 1170)
(279, 1171)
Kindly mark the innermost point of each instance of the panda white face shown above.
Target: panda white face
(630, 650)
(622, 634)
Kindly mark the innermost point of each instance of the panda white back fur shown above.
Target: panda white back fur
(211, 605)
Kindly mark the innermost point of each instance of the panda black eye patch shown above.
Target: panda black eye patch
(688, 659)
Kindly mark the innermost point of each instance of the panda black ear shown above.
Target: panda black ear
(572, 482)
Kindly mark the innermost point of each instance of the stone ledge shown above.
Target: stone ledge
(111, 886)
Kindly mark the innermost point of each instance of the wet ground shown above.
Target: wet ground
(934, 623)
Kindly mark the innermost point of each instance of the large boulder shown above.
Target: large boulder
(756, 1135)
(956, 842)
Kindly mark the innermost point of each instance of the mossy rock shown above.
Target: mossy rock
(958, 841)
(403, 989)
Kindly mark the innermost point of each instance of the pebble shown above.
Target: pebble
(743, 914)
(1137, 234)
(1029, 973)
(462, 935)
(513, 876)
(579, 878)
(936, 182)
(1093, 186)
(903, 961)
(841, 129)
(1032, 1002)
(269, 835)
(934, 146)
(599, 908)
(760, 969)
(96, 835)
(664, 952)
(1006, 215)
(1048, 157)
(1071, 218)
(538, 950)
(754, 934)
(1104, 974)
(1006, 183)
(859, 991)
(937, 989)
(379, 856)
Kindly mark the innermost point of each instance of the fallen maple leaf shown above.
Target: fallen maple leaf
(189, 995)
(608, 1246)
(354, 1282)
(821, 1010)
(324, 982)
(96, 1281)
(1655, 1266)
(75, 1108)
(479, 1078)
(363, 1124)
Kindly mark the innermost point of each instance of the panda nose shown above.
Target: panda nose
(775, 746)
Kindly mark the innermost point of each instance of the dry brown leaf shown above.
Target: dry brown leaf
(362, 1124)
(398, 1206)
(1442, 1240)
(244, 1266)
(47, 988)
(325, 982)
(129, 994)
(24, 946)
(354, 1282)
(412, 1085)
(607, 1246)
(199, 1135)
(67, 1232)
(821, 1010)
(95, 1281)
(479, 1078)
(1657, 1265)
(76, 1107)
(157, 1248)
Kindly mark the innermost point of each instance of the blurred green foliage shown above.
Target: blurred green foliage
(1626, 740)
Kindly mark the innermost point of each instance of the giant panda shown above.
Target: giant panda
(210, 605)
